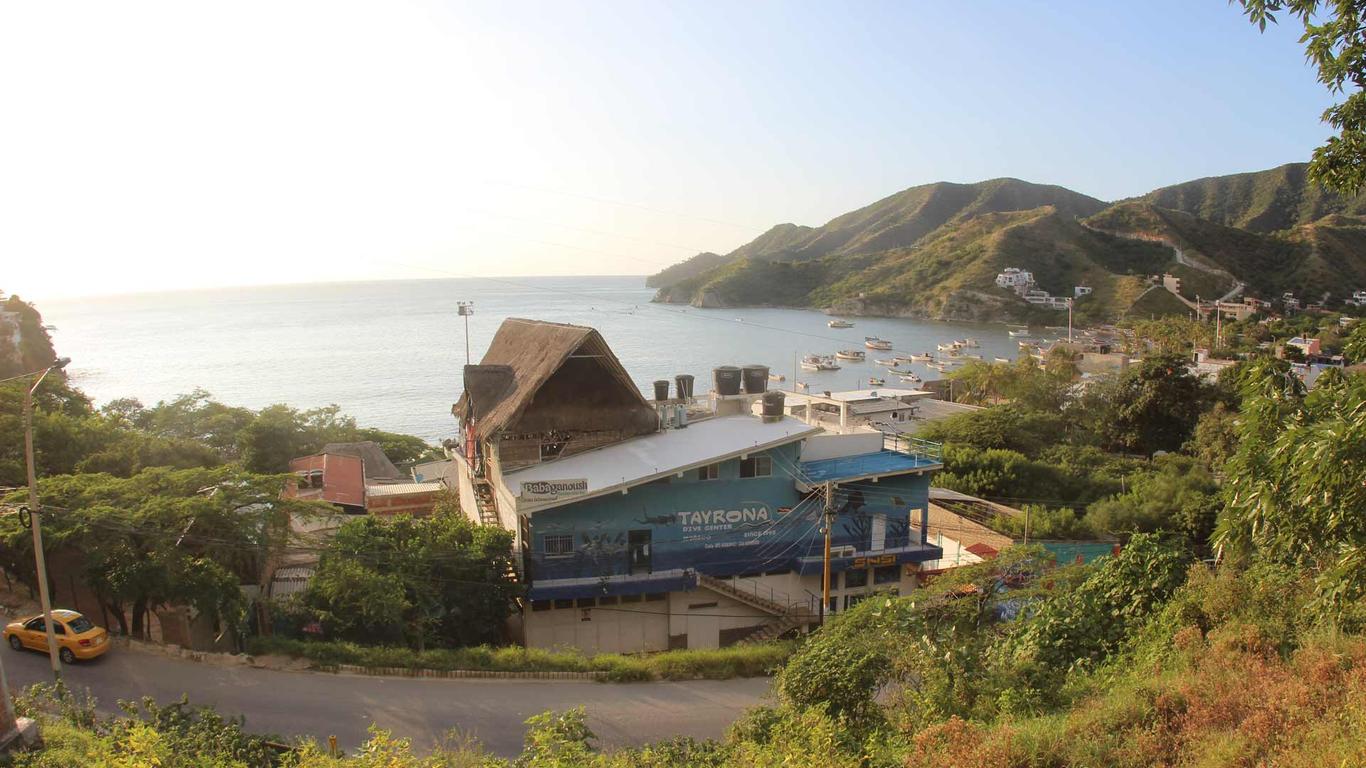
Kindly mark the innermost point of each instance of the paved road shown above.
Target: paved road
(318, 704)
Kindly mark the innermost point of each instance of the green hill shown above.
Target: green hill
(1263, 201)
(935, 250)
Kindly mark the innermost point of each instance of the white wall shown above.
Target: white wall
(621, 628)
(834, 446)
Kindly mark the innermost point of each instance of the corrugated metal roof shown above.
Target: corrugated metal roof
(400, 489)
(291, 580)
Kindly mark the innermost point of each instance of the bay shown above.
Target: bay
(390, 353)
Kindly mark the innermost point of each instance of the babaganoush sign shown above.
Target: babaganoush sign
(553, 490)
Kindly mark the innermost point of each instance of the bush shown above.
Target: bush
(718, 664)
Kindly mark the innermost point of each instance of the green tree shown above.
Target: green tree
(1333, 44)
(436, 579)
(1296, 487)
(1180, 497)
(1151, 407)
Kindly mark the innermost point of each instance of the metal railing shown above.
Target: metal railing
(913, 446)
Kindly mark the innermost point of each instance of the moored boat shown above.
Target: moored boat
(911, 377)
(819, 363)
(888, 361)
(838, 323)
(876, 382)
(851, 354)
(923, 357)
(873, 342)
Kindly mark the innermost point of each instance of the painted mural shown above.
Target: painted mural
(723, 526)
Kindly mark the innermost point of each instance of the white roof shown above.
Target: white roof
(854, 395)
(642, 459)
(401, 489)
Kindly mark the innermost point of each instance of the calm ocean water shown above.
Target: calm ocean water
(390, 353)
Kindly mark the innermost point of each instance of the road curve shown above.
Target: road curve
(318, 704)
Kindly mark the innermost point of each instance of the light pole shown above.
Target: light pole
(466, 308)
(35, 514)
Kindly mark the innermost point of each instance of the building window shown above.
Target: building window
(855, 579)
(540, 605)
(709, 472)
(852, 600)
(887, 574)
(756, 466)
(558, 545)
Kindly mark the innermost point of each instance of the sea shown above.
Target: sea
(390, 353)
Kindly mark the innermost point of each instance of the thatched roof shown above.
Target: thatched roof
(539, 376)
(377, 465)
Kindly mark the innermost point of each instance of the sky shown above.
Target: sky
(152, 146)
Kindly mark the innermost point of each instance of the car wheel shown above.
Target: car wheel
(66, 656)
(16, 643)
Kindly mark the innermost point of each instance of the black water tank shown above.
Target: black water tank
(756, 378)
(773, 403)
(662, 389)
(683, 383)
(727, 380)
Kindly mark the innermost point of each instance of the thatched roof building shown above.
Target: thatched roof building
(550, 389)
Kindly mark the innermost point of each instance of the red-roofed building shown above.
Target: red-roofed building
(330, 477)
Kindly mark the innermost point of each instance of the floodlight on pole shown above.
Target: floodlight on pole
(465, 309)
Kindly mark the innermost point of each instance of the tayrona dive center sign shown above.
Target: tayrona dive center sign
(553, 490)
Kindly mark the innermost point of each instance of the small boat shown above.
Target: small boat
(972, 356)
(850, 354)
(952, 346)
(923, 357)
(819, 363)
(873, 342)
(941, 367)
(876, 382)
(803, 386)
(837, 323)
(897, 371)
(971, 343)
(1000, 360)
(776, 377)
(1018, 333)
(911, 377)
(887, 361)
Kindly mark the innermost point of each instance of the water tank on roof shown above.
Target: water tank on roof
(662, 389)
(756, 378)
(727, 380)
(773, 405)
(683, 383)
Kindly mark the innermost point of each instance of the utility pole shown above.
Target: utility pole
(36, 516)
(1026, 535)
(829, 514)
(1069, 319)
(465, 309)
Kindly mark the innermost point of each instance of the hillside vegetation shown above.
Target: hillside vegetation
(935, 250)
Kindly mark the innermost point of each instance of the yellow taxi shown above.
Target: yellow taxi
(77, 637)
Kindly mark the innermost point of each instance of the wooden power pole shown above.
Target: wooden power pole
(829, 515)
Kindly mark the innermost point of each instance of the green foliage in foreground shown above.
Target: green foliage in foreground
(736, 661)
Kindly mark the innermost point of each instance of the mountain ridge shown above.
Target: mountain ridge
(933, 250)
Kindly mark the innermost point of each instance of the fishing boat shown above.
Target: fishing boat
(838, 323)
(776, 377)
(1018, 333)
(972, 356)
(911, 377)
(1000, 360)
(887, 361)
(941, 367)
(923, 357)
(897, 371)
(971, 343)
(873, 342)
(851, 354)
(876, 382)
(819, 363)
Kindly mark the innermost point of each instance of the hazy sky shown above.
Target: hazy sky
(146, 146)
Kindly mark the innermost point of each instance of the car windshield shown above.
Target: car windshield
(80, 624)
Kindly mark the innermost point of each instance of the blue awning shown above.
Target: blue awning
(865, 465)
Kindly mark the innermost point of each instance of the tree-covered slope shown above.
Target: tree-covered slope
(935, 250)
(1262, 201)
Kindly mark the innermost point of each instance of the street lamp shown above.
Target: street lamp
(465, 309)
(35, 512)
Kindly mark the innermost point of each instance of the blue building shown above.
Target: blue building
(683, 521)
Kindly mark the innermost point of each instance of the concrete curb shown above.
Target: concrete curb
(491, 674)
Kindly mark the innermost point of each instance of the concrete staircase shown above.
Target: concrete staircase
(487, 503)
(786, 615)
